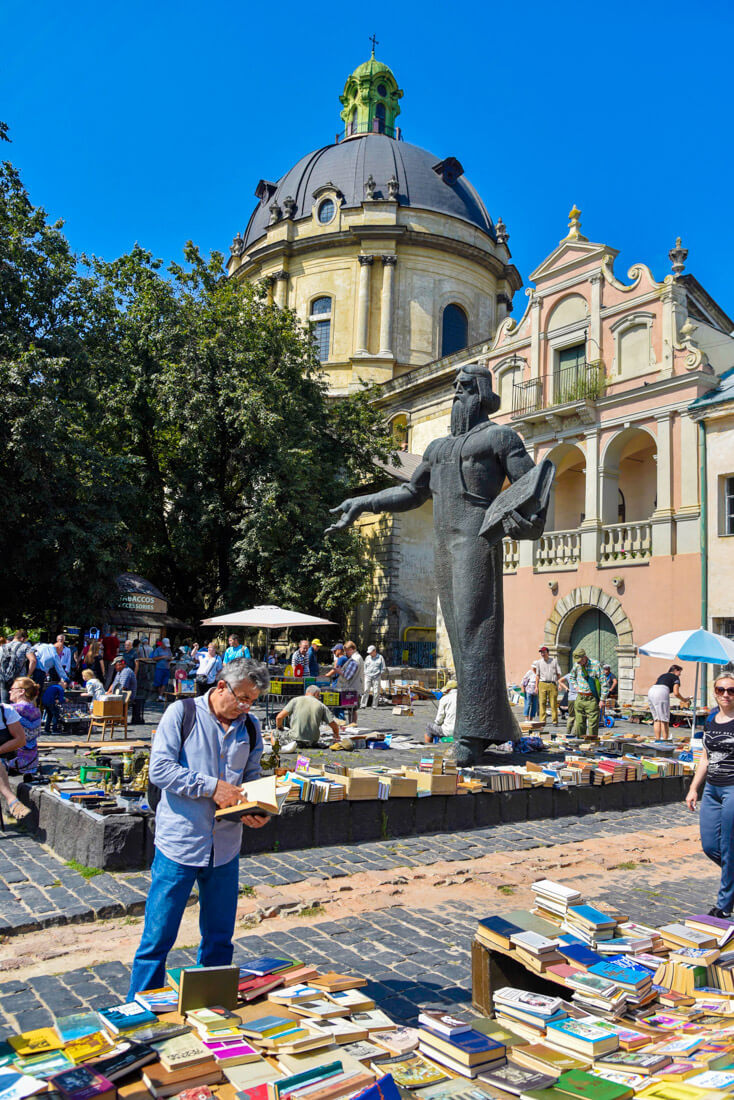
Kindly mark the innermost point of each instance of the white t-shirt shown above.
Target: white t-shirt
(11, 714)
(209, 666)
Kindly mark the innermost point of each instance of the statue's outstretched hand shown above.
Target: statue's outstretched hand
(350, 509)
(517, 526)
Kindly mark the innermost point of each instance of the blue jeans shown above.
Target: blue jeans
(531, 706)
(170, 888)
(717, 838)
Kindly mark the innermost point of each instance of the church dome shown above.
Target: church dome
(423, 181)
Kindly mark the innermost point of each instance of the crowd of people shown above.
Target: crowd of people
(586, 692)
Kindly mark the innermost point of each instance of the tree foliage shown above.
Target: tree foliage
(170, 422)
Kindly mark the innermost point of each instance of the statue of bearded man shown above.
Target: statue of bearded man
(464, 473)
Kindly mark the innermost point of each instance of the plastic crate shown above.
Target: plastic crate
(330, 698)
(276, 687)
(349, 698)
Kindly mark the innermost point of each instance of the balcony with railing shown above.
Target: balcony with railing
(558, 550)
(510, 555)
(580, 383)
(622, 542)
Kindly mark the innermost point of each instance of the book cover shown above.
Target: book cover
(208, 985)
(353, 999)
(44, 1065)
(365, 1051)
(589, 915)
(400, 1041)
(411, 1071)
(267, 964)
(15, 1086)
(544, 1057)
(120, 1063)
(457, 1089)
(582, 1032)
(470, 1044)
(160, 1000)
(333, 982)
(515, 1078)
(88, 1047)
(82, 1083)
(583, 1084)
(173, 973)
(536, 1004)
(498, 929)
(268, 1025)
(126, 1016)
(183, 1050)
(213, 1019)
(443, 1023)
(155, 1032)
(38, 1041)
(77, 1025)
(580, 954)
(622, 975)
(374, 1020)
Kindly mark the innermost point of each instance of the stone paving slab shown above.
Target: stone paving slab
(38, 890)
(412, 958)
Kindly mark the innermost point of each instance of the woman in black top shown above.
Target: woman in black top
(658, 700)
(716, 771)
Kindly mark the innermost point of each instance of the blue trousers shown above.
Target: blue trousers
(717, 838)
(531, 706)
(170, 888)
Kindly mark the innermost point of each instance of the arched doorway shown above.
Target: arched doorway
(594, 632)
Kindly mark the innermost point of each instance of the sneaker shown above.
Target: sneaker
(290, 746)
(715, 912)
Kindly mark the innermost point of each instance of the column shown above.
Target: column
(363, 305)
(688, 461)
(591, 525)
(281, 289)
(662, 517)
(386, 304)
(595, 352)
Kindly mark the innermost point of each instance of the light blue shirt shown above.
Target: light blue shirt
(185, 828)
(48, 658)
(234, 652)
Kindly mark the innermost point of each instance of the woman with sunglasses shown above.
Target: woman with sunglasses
(715, 774)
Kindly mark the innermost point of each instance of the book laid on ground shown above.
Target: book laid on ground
(120, 1063)
(182, 1052)
(216, 1018)
(341, 1030)
(269, 964)
(351, 998)
(83, 1083)
(231, 1052)
(156, 1031)
(89, 1047)
(514, 1078)
(160, 1000)
(582, 1037)
(400, 1041)
(77, 1025)
(411, 1071)
(532, 1004)
(331, 982)
(262, 797)
(375, 1020)
(546, 1059)
(497, 930)
(163, 1083)
(40, 1040)
(580, 1083)
(442, 1023)
(320, 1008)
(365, 1051)
(469, 1048)
(121, 1018)
(15, 1086)
(44, 1065)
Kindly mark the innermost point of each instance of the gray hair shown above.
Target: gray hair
(245, 668)
(312, 690)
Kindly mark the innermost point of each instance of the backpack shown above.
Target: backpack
(10, 664)
(188, 721)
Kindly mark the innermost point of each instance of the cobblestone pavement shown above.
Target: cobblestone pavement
(412, 958)
(38, 890)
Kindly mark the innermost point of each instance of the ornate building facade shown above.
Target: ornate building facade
(391, 254)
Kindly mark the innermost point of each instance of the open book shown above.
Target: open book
(263, 797)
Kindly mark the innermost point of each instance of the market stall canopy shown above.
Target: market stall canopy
(691, 645)
(268, 617)
(142, 605)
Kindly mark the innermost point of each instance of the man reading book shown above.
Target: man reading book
(197, 774)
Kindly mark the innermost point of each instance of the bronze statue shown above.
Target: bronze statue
(464, 473)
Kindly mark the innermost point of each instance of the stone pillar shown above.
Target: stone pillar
(674, 314)
(662, 517)
(536, 305)
(363, 305)
(591, 526)
(281, 289)
(595, 351)
(386, 305)
(627, 662)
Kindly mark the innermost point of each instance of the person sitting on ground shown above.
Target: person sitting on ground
(305, 715)
(23, 693)
(12, 739)
(235, 650)
(445, 720)
(95, 688)
(51, 700)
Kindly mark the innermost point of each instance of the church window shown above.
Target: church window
(381, 90)
(327, 209)
(455, 330)
(320, 317)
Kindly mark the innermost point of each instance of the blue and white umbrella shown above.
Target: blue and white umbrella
(702, 646)
(691, 645)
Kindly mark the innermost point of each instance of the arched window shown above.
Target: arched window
(454, 330)
(380, 116)
(320, 316)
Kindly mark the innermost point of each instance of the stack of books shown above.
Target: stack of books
(457, 1046)
(589, 924)
(528, 1013)
(552, 899)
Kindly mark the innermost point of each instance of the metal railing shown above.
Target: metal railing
(377, 126)
(579, 382)
(557, 550)
(510, 555)
(413, 654)
(625, 542)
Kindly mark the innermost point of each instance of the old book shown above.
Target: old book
(442, 1023)
(514, 1078)
(332, 982)
(88, 1048)
(547, 1059)
(44, 1065)
(411, 1071)
(16, 1086)
(160, 1000)
(182, 1052)
(341, 1030)
(251, 1075)
(125, 1017)
(353, 999)
(262, 797)
(155, 1032)
(204, 986)
(375, 1020)
(83, 1083)
(365, 1051)
(469, 1048)
(232, 1052)
(496, 930)
(212, 1019)
(319, 1009)
(529, 495)
(583, 1038)
(163, 1083)
(77, 1025)
(40, 1040)
(123, 1062)
(400, 1041)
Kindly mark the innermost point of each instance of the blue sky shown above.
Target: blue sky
(153, 122)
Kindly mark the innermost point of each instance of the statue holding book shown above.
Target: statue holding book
(464, 473)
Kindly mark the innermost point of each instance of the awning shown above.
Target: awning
(120, 617)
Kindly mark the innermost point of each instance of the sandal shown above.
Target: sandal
(17, 809)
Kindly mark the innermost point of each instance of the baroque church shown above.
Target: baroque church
(391, 254)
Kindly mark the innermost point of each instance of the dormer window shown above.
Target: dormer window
(326, 212)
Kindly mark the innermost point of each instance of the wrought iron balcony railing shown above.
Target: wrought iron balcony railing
(579, 382)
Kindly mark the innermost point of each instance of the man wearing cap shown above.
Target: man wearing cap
(464, 474)
(312, 658)
(374, 669)
(549, 673)
(585, 679)
(340, 659)
(444, 723)
(124, 678)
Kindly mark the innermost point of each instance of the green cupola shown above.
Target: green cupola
(370, 100)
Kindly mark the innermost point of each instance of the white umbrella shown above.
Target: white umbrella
(701, 646)
(267, 616)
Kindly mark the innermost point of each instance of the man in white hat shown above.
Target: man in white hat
(374, 669)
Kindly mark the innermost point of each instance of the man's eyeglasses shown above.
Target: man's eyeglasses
(724, 691)
(240, 701)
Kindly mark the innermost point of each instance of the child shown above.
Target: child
(95, 687)
(52, 698)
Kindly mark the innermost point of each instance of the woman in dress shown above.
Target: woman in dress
(715, 774)
(658, 700)
(23, 696)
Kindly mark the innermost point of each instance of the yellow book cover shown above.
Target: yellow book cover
(672, 1090)
(38, 1041)
(90, 1046)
